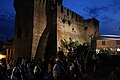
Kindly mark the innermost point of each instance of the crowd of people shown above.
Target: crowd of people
(59, 68)
(70, 67)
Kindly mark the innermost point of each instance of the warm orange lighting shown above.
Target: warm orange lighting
(2, 56)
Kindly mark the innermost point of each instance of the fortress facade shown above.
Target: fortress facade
(40, 25)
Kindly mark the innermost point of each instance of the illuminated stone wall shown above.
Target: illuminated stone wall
(72, 25)
(39, 23)
(45, 23)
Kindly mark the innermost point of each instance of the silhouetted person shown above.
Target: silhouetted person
(38, 70)
(59, 72)
(76, 73)
(30, 74)
(17, 72)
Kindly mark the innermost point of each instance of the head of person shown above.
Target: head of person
(60, 55)
(23, 61)
(19, 61)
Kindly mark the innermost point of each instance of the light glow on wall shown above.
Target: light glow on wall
(2, 56)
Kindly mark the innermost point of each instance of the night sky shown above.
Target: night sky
(106, 11)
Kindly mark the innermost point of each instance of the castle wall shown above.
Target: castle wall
(39, 23)
(41, 27)
(93, 28)
(51, 48)
(71, 25)
(23, 28)
(44, 31)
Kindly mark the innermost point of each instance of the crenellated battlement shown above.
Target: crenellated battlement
(92, 20)
(67, 13)
(63, 11)
(43, 2)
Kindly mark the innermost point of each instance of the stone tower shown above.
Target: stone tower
(35, 27)
(41, 25)
(23, 28)
(45, 25)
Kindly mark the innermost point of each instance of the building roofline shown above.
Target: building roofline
(109, 37)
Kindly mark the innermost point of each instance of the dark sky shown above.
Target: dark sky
(7, 14)
(106, 11)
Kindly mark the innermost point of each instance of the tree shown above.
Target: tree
(74, 46)
(69, 45)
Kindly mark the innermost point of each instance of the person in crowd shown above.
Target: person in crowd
(75, 70)
(38, 70)
(59, 72)
(24, 68)
(52, 62)
(30, 73)
(1, 73)
(3, 70)
(17, 72)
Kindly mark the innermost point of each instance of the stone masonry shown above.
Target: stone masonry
(40, 26)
